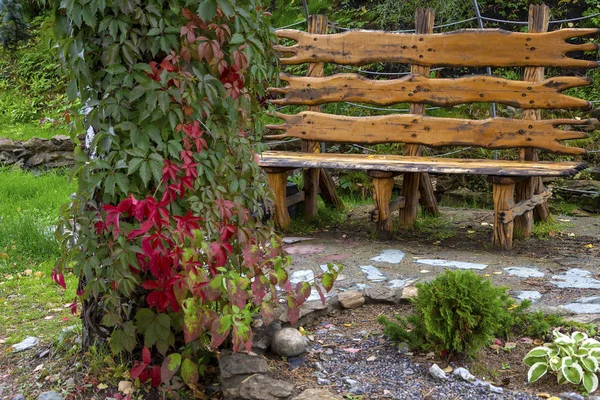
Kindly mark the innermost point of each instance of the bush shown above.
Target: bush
(457, 313)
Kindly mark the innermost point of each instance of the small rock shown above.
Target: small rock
(70, 382)
(463, 374)
(295, 362)
(25, 344)
(43, 353)
(380, 295)
(322, 381)
(51, 395)
(488, 386)
(373, 274)
(329, 352)
(351, 299)
(403, 348)
(317, 394)
(389, 256)
(351, 382)
(288, 342)
(409, 371)
(18, 397)
(318, 366)
(436, 372)
(232, 364)
(398, 283)
(262, 387)
(571, 396)
(409, 293)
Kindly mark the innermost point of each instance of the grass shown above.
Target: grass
(438, 228)
(31, 304)
(549, 228)
(326, 217)
(26, 131)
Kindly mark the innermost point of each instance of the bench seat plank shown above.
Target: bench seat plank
(435, 92)
(494, 133)
(393, 163)
(465, 48)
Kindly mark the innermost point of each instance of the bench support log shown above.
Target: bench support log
(277, 179)
(418, 183)
(539, 18)
(504, 200)
(395, 205)
(383, 183)
(525, 206)
(328, 192)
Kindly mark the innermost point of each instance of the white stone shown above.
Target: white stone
(304, 275)
(362, 286)
(453, 264)
(529, 295)
(589, 300)
(524, 272)
(25, 344)
(580, 308)
(373, 274)
(288, 342)
(576, 278)
(463, 374)
(293, 239)
(437, 372)
(390, 256)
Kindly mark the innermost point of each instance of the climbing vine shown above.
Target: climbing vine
(165, 232)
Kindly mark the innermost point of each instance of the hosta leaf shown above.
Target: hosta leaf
(538, 352)
(529, 361)
(590, 344)
(578, 336)
(567, 361)
(536, 371)
(554, 363)
(573, 374)
(590, 381)
(590, 363)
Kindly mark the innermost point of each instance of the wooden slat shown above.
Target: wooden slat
(495, 133)
(468, 48)
(435, 92)
(419, 164)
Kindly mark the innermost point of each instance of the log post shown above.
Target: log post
(316, 178)
(539, 17)
(424, 19)
(277, 179)
(503, 193)
(383, 183)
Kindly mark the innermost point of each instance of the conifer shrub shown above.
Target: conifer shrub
(457, 313)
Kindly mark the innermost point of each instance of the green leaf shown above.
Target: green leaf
(226, 7)
(538, 352)
(590, 381)
(145, 172)
(134, 165)
(207, 10)
(536, 371)
(169, 367)
(590, 363)
(237, 39)
(573, 374)
(189, 371)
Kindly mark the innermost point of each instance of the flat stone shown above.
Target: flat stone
(398, 283)
(232, 364)
(390, 256)
(524, 272)
(351, 299)
(409, 292)
(452, 264)
(17, 397)
(529, 295)
(589, 300)
(317, 394)
(304, 275)
(576, 278)
(373, 274)
(294, 239)
(305, 249)
(464, 374)
(51, 395)
(288, 342)
(584, 319)
(262, 387)
(571, 396)
(580, 308)
(25, 344)
(362, 286)
(380, 294)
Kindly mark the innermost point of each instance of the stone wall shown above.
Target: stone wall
(37, 153)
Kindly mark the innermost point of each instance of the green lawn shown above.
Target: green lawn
(26, 131)
(31, 304)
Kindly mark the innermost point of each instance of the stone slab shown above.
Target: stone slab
(452, 264)
(373, 274)
(390, 256)
(524, 272)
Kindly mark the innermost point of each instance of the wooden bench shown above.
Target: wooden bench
(423, 50)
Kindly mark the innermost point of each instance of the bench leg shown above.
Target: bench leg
(504, 192)
(277, 179)
(524, 223)
(410, 191)
(428, 201)
(383, 183)
(311, 190)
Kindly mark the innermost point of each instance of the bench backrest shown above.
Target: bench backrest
(465, 48)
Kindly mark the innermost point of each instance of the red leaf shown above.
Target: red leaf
(351, 350)
(217, 338)
(137, 371)
(146, 356)
(155, 376)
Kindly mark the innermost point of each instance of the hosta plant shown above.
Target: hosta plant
(573, 359)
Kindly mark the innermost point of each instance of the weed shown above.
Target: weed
(549, 228)
(438, 228)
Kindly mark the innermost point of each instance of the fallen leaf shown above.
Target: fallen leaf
(543, 395)
(4, 255)
(39, 367)
(424, 271)
(538, 342)
(487, 275)
(28, 272)
(495, 346)
(588, 246)
(484, 224)
(470, 232)
(102, 386)
(448, 369)
(351, 350)
(347, 325)
(125, 387)
(38, 274)
(372, 358)
(510, 345)
(497, 272)
(570, 234)
(49, 317)
(526, 340)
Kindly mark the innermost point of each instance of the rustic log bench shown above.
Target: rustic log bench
(422, 50)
